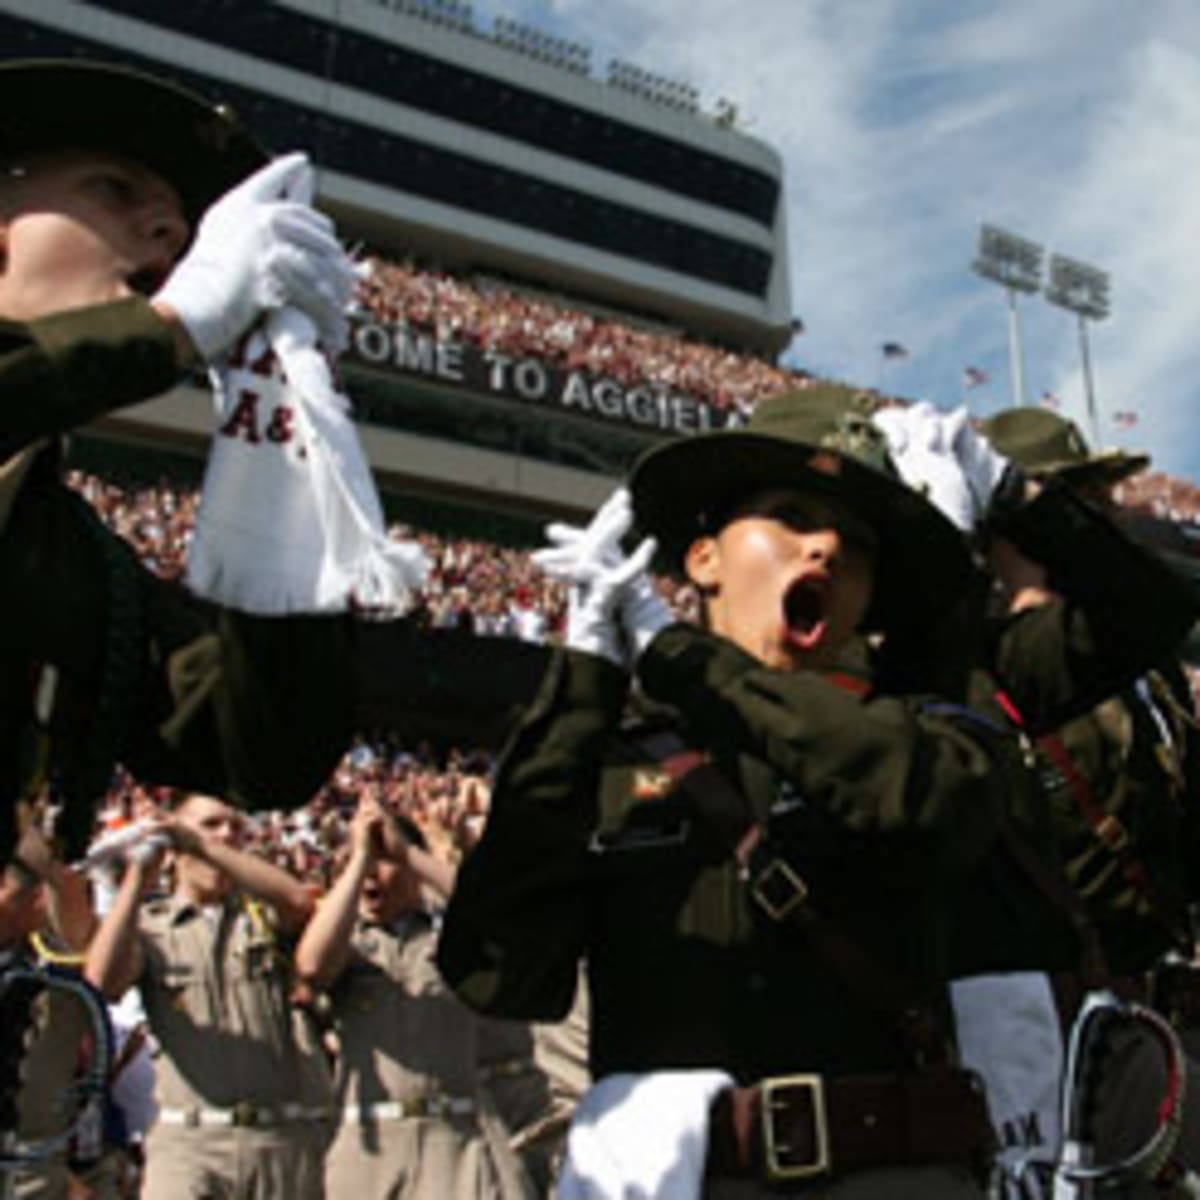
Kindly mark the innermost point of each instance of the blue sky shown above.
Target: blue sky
(904, 124)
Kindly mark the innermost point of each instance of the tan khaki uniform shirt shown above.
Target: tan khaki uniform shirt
(402, 1032)
(404, 1036)
(215, 988)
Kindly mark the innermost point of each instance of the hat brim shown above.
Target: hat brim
(681, 489)
(198, 147)
(1110, 467)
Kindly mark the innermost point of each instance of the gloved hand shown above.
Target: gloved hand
(261, 247)
(600, 576)
(571, 548)
(941, 456)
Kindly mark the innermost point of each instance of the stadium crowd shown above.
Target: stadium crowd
(1163, 496)
(473, 585)
(444, 795)
(493, 316)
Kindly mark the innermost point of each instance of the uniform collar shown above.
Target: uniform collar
(181, 909)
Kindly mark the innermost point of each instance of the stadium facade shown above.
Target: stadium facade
(498, 154)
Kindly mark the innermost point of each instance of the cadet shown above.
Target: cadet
(1122, 782)
(102, 173)
(44, 911)
(412, 1125)
(1122, 778)
(243, 1091)
(1121, 608)
(759, 868)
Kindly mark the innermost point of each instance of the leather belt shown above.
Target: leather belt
(792, 1128)
(242, 1116)
(415, 1106)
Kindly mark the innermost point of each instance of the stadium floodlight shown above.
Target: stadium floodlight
(1016, 264)
(1009, 259)
(1083, 290)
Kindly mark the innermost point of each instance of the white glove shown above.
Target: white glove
(641, 1137)
(600, 577)
(260, 247)
(573, 549)
(596, 597)
(642, 612)
(939, 455)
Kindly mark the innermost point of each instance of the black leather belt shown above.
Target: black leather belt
(792, 1128)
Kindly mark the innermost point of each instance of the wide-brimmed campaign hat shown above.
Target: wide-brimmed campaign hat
(1042, 444)
(820, 439)
(199, 147)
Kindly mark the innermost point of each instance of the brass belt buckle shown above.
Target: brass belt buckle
(779, 890)
(775, 1152)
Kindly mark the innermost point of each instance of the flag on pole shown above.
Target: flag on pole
(1125, 419)
(974, 377)
(1051, 401)
(893, 350)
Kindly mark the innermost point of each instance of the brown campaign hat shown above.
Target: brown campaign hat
(199, 147)
(1042, 443)
(821, 439)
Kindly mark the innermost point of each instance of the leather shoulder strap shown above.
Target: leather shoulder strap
(777, 889)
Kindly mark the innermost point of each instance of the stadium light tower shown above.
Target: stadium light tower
(1082, 290)
(1016, 264)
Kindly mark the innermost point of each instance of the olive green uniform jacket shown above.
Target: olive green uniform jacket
(1111, 740)
(1126, 800)
(881, 805)
(255, 709)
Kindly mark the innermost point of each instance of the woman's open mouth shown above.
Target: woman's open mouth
(804, 611)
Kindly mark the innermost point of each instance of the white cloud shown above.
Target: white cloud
(903, 125)
(1133, 212)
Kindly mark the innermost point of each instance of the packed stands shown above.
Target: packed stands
(493, 316)
(473, 585)
(1163, 496)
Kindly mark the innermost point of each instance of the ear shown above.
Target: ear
(702, 562)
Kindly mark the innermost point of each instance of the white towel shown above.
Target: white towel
(1009, 1033)
(289, 517)
(641, 1137)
